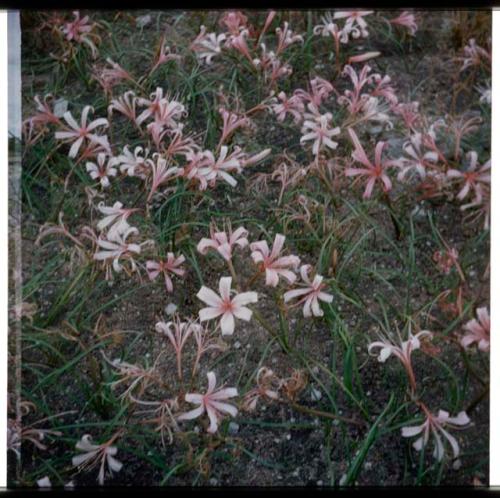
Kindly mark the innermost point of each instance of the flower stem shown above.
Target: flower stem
(233, 274)
(320, 413)
(265, 325)
(387, 202)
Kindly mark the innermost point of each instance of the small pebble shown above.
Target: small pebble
(142, 21)
(170, 308)
(233, 428)
(315, 394)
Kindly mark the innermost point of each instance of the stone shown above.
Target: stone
(233, 428)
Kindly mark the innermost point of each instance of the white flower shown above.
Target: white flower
(311, 294)
(102, 170)
(436, 425)
(225, 306)
(212, 403)
(319, 130)
(95, 453)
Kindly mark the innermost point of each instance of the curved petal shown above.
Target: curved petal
(225, 288)
(209, 314)
(225, 251)
(227, 323)
(205, 244)
(114, 464)
(209, 297)
(212, 415)
(73, 151)
(243, 313)
(224, 408)
(228, 392)
(295, 293)
(192, 414)
(412, 430)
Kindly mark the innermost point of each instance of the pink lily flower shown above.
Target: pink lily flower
(223, 242)
(116, 247)
(115, 215)
(270, 261)
(273, 68)
(419, 161)
(436, 425)
(78, 133)
(406, 20)
(354, 99)
(402, 352)
(197, 168)
(475, 56)
(134, 164)
(125, 105)
(171, 265)
(292, 105)
(78, 27)
(230, 123)
(152, 105)
(93, 149)
(384, 88)
(221, 167)
(224, 306)
(108, 77)
(163, 55)
(234, 21)
(319, 130)
(354, 21)
(409, 112)
(158, 132)
(93, 454)
(207, 46)
(478, 330)
(329, 28)
(474, 177)
(180, 145)
(374, 171)
(268, 386)
(479, 209)
(212, 402)
(80, 31)
(178, 338)
(310, 295)
(169, 112)
(45, 114)
(161, 173)
(320, 90)
(286, 38)
(239, 43)
(133, 376)
(204, 342)
(104, 168)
